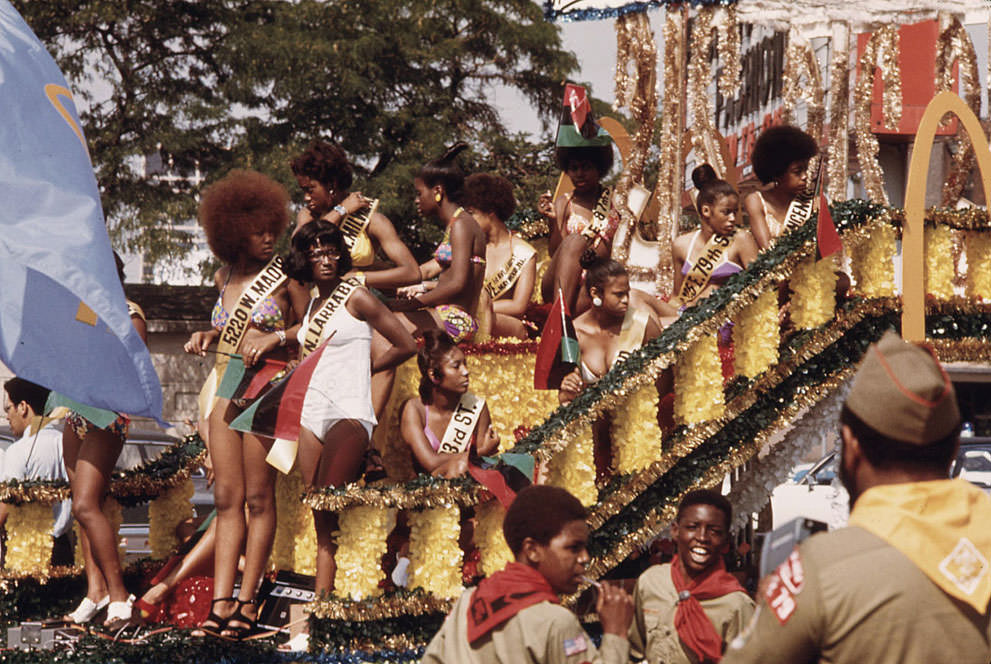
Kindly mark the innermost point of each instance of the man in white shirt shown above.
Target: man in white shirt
(37, 455)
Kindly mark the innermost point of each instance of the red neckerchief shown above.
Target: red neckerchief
(693, 626)
(504, 594)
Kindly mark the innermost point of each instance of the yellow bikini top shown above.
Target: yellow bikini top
(362, 251)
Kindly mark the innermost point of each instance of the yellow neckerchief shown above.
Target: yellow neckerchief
(942, 526)
(464, 419)
(499, 283)
(321, 317)
(354, 227)
(263, 285)
(699, 275)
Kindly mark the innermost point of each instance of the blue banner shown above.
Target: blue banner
(595, 10)
(63, 319)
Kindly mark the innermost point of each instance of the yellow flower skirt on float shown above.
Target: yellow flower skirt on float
(29, 538)
(813, 288)
(698, 383)
(636, 435)
(361, 543)
(489, 538)
(165, 513)
(573, 468)
(872, 261)
(756, 336)
(979, 266)
(435, 557)
(939, 262)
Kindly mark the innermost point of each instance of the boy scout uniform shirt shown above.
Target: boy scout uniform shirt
(849, 596)
(544, 633)
(653, 635)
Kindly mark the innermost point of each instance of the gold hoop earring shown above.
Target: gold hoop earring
(438, 197)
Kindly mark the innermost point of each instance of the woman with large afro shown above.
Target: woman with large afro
(243, 215)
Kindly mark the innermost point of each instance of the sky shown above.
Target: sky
(594, 43)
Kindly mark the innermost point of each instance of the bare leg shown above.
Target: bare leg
(96, 585)
(565, 271)
(508, 326)
(97, 455)
(228, 493)
(259, 482)
(382, 381)
(199, 560)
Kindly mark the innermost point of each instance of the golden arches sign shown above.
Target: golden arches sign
(913, 234)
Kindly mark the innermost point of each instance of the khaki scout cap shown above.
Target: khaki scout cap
(902, 392)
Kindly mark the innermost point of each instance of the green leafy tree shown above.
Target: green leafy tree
(214, 84)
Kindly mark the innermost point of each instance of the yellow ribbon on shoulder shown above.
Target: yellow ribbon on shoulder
(941, 526)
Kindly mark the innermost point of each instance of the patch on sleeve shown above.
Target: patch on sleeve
(575, 646)
(786, 582)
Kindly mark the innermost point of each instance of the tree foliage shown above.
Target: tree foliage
(210, 85)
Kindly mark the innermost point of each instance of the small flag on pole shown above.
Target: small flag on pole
(557, 354)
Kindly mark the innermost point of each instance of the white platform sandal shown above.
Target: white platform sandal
(119, 612)
(87, 610)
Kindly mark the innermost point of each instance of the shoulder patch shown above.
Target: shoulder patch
(575, 646)
(786, 582)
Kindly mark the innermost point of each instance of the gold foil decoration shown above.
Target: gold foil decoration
(704, 139)
(728, 47)
(801, 62)
(881, 53)
(838, 152)
(954, 45)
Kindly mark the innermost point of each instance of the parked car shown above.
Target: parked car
(819, 495)
(141, 447)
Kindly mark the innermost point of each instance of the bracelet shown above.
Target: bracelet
(341, 210)
(282, 337)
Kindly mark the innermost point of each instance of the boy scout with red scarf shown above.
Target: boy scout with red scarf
(688, 610)
(514, 616)
(909, 580)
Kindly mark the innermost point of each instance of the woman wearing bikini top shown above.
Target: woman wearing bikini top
(243, 214)
(731, 248)
(425, 421)
(781, 162)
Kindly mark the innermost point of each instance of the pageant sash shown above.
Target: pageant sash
(698, 277)
(799, 210)
(499, 283)
(457, 436)
(263, 285)
(321, 317)
(135, 310)
(355, 223)
(600, 217)
(631, 334)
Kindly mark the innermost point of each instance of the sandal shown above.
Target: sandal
(119, 613)
(148, 612)
(87, 610)
(219, 623)
(248, 626)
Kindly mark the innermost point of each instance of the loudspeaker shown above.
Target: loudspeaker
(288, 588)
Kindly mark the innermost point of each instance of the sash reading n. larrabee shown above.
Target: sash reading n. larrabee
(600, 216)
(500, 282)
(263, 285)
(355, 223)
(322, 316)
(698, 277)
(457, 436)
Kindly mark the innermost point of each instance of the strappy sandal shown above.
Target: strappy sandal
(87, 610)
(248, 625)
(219, 622)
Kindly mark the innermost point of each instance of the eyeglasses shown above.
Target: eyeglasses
(323, 254)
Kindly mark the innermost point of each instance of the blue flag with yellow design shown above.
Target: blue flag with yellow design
(63, 319)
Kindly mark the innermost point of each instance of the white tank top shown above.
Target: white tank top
(343, 374)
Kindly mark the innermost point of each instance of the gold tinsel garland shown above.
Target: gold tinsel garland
(881, 52)
(382, 608)
(755, 336)
(838, 151)
(801, 62)
(872, 260)
(361, 543)
(491, 543)
(636, 436)
(962, 350)
(728, 48)
(940, 265)
(435, 557)
(669, 175)
(813, 288)
(29, 538)
(698, 383)
(954, 45)
(704, 139)
(573, 468)
(978, 265)
(165, 513)
(635, 48)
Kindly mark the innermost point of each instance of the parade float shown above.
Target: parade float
(836, 71)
